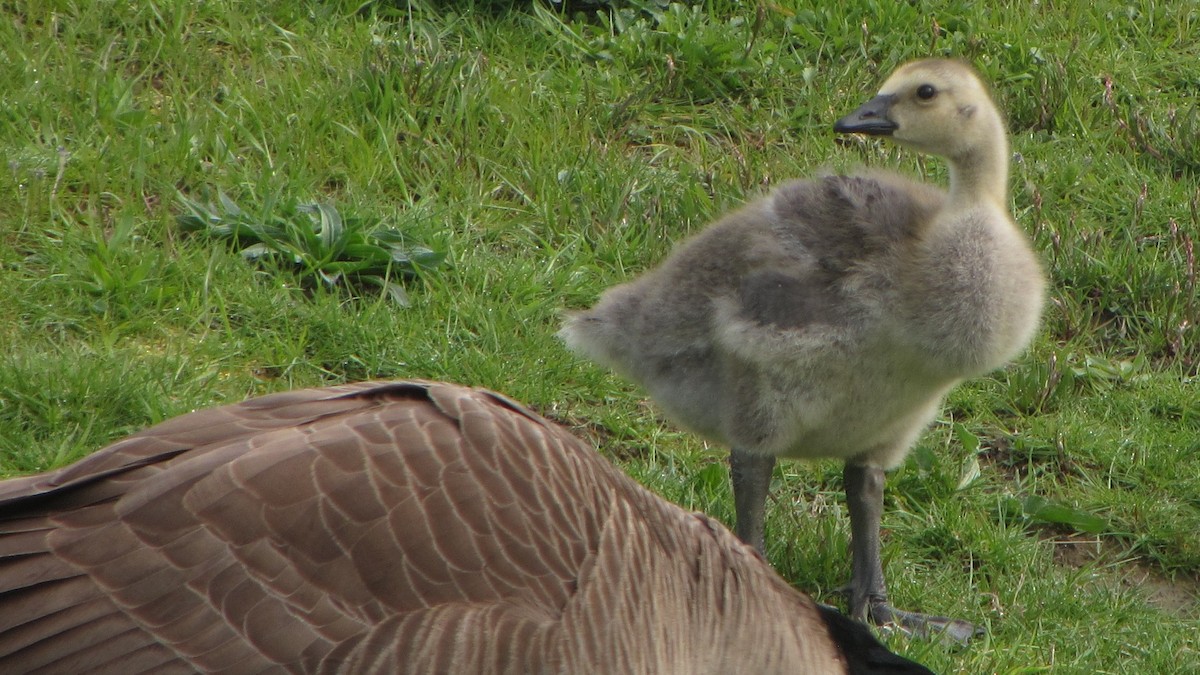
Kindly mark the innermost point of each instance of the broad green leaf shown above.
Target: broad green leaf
(329, 277)
(331, 227)
(1039, 509)
(969, 471)
(969, 440)
(256, 251)
(925, 459)
(397, 293)
(232, 210)
(711, 479)
(368, 252)
(347, 266)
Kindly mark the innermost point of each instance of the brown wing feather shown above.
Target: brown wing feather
(404, 527)
(275, 531)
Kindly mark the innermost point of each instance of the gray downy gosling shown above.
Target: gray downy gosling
(831, 317)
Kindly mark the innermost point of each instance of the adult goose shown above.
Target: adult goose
(831, 317)
(402, 527)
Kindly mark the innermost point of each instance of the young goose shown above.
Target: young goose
(831, 317)
(405, 527)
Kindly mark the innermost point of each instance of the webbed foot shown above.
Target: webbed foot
(924, 625)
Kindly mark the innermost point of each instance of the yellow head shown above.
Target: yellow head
(937, 106)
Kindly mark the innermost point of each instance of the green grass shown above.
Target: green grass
(554, 155)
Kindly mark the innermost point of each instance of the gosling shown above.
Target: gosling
(831, 317)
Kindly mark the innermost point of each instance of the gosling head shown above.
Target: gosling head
(936, 106)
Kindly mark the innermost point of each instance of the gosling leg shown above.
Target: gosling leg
(751, 477)
(867, 591)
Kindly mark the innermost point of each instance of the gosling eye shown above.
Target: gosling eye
(926, 92)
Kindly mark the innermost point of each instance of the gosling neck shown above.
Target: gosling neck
(980, 172)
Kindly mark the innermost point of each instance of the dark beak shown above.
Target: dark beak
(870, 118)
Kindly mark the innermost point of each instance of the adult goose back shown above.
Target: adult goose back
(398, 527)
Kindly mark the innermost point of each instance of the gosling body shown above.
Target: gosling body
(828, 319)
(831, 317)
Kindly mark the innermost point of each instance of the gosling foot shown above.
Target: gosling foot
(924, 625)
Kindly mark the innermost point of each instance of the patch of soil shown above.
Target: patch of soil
(1177, 595)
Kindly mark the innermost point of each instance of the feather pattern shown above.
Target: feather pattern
(401, 527)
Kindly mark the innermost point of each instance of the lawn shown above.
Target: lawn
(193, 192)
